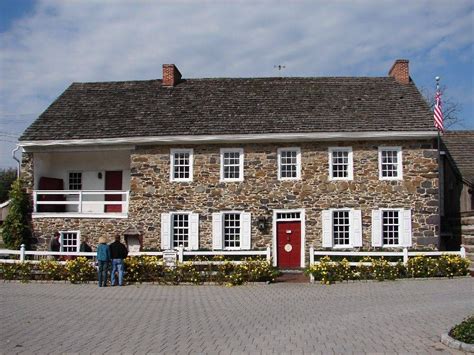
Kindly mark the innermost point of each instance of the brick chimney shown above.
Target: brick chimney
(400, 72)
(171, 75)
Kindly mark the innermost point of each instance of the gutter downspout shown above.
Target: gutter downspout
(17, 160)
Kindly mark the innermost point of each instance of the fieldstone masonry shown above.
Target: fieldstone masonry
(261, 192)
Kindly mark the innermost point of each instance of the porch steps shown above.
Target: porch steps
(292, 276)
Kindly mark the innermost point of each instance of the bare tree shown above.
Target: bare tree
(451, 109)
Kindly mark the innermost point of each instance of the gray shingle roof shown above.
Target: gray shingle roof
(232, 106)
(460, 146)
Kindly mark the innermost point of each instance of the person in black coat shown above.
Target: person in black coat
(118, 252)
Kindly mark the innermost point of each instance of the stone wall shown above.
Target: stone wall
(261, 192)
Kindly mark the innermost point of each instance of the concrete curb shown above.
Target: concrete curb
(456, 344)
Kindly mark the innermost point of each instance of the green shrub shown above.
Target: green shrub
(464, 331)
(80, 270)
(16, 230)
(325, 271)
(52, 270)
(16, 271)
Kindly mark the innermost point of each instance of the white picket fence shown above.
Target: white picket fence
(181, 255)
(404, 255)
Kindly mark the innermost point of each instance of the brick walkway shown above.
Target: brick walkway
(387, 317)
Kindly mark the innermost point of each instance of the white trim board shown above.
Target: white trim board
(227, 138)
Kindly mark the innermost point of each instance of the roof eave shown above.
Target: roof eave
(236, 138)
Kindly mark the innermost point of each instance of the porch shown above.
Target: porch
(81, 184)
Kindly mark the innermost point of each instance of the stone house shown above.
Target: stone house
(238, 163)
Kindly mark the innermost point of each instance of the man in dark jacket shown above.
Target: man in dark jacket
(118, 252)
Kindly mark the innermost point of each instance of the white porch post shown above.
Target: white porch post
(269, 254)
(462, 251)
(405, 256)
(79, 207)
(311, 261)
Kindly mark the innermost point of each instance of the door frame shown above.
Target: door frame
(301, 211)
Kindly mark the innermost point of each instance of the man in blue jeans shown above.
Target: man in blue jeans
(118, 252)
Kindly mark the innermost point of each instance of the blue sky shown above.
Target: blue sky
(45, 45)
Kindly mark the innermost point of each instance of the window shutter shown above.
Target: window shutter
(406, 228)
(217, 231)
(165, 231)
(356, 225)
(376, 228)
(327, 229)
(245, 235)
(194, 231)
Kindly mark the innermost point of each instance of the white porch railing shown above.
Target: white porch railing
(181, 253)
(403, 255)
(79, 202)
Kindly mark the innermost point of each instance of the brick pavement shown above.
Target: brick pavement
(387, 317)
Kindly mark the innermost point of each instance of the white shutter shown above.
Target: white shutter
(376, 228)
(245, 231)
(194, 231)
(356, 225)
(327, 228)
(217, 231)
(405, 224)
(165, 231)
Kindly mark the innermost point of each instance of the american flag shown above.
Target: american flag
(438, 113)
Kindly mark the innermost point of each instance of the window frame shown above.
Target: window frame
(190, 151)
(400, 227)
(183, 213)
(223, 213)
(69, 179)
(350, 163)
(351, 228)
(398, 149)
(241, 164)
(61, 240)
(298, 162)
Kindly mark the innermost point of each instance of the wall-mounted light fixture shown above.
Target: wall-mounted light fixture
(262, 223)
(99, 175)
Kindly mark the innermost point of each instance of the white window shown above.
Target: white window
(75, 180)
(390, 163)
(231, 230)
(289, 163)
(181, 164)
(340, 163)
(342, 228)
(180, 229)
(69, 241)
(232, 164)
(391, 228)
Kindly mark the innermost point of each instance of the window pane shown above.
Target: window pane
(75, 181)
(231, 165)
(390, 227)
(232, 230)
(341, 225)
(69, 242)
(288, 164)
(181, 165)
(389, 163)
(340, 164)
(180, 230)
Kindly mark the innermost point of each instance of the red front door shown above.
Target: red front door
(113, 181)
(289, 244)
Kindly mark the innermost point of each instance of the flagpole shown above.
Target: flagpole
(440, 173)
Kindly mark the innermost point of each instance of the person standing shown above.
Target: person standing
(118, 252)
(85, 248)
(54, 244)
(103, 259)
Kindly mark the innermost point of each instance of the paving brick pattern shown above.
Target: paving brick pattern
(363, 317)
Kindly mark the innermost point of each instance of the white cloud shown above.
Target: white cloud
(65, 41)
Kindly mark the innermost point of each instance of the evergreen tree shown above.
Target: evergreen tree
(7, 176)
(16, 230)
